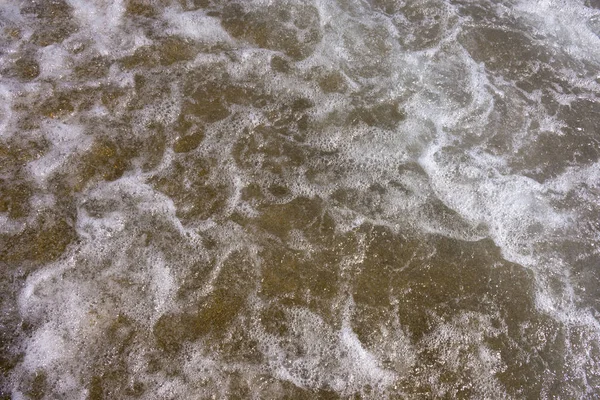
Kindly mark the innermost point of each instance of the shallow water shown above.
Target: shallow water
(300, 199)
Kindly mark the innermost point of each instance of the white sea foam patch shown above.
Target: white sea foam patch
(6, 111)
(10, 12)
(61, 310)
(366, 366)
(460, 100)
(47, 349)
(131, 205)
(54, 62)
(565, 25)
(330, 357)
(66, 140)
(578, 178)
(163, 285)
(514, 208)
(195, 25)
(70, 323)
(103, 22)
(46, 346)
(73, 301)
(461, 345)
(167, 111)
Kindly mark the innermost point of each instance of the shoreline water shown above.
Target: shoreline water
(299, 199)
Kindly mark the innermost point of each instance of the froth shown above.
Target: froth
(565, 23)
(67, 140)
(6, 112)
(332, 358)
(102, 22)
(233, 188)
(196, 25)
(453, 338)
(54, 62)
(514, 208)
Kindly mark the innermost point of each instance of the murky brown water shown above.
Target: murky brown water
(300, 199)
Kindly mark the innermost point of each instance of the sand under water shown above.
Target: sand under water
(310, 199)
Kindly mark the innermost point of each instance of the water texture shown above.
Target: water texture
(308, 199)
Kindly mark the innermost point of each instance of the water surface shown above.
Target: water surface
(300, 199)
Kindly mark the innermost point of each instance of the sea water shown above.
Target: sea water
(308, 199)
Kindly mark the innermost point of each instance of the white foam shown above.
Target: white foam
(576, 176)
(564, 23)
(30, 298)
(46, 347)
(166, 111)
(163, 285)
(448, 99)
(42, 201)
(103, 23)
(331, 358)
(66, 140)
(460, 348)
(54, 61)
(196, 25)
(6, 113)
(365, 366)
(511, 206)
